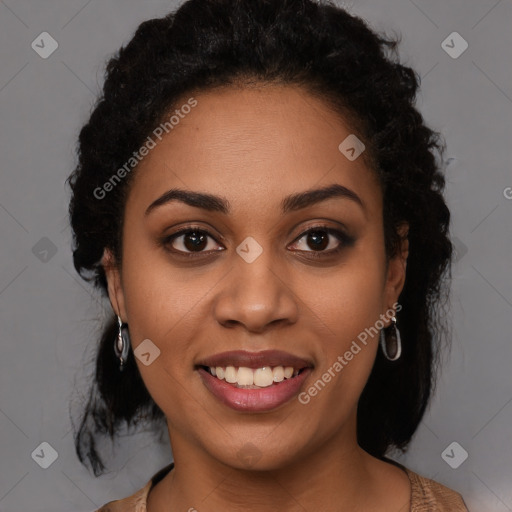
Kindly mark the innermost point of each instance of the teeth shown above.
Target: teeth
(230, 374)
(245, 376)
(278, 374)
(254, 378)
(263, 377)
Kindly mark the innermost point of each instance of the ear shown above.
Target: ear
(395, 279)
(115, 289)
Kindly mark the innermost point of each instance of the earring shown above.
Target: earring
(122, 343)
(390, 341)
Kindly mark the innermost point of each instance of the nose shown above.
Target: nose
(257, 295)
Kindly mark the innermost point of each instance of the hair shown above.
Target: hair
(334, 55)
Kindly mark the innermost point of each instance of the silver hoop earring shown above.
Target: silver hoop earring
(390, 341)
(122, 343)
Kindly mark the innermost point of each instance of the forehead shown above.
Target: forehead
(253, 145)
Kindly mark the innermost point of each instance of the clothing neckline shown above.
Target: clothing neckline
(160, 475)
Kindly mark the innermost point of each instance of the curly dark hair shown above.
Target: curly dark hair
(333, 55)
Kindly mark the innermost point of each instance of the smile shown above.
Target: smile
(254, 381)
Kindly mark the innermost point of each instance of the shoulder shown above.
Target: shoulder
(427, 495)
(137, 501)
(134, 503)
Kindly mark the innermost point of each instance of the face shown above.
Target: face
(261, 268)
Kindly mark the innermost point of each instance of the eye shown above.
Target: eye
(190, 240)
(322, 239)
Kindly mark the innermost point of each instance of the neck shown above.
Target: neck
(338, 476)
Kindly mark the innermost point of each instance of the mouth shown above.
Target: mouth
(254, 381)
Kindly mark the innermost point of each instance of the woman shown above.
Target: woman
(260, 199)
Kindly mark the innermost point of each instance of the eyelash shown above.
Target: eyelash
(345, 241)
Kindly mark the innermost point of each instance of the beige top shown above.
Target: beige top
(426, 495)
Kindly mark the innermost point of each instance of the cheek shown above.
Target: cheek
(349, 299)
(160, 307)
(158, 296)
(345, 355)
(348, 307)
(160, 304)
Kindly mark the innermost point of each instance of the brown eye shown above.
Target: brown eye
(190, 240)
(320, 238)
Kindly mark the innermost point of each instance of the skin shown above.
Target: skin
(254, 146)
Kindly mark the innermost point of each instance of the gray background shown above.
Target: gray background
(50, 319)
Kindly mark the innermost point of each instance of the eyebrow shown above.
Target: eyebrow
(290, 203)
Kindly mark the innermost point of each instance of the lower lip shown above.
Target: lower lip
(254, 400)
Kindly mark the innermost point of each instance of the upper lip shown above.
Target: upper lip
(255, 359)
